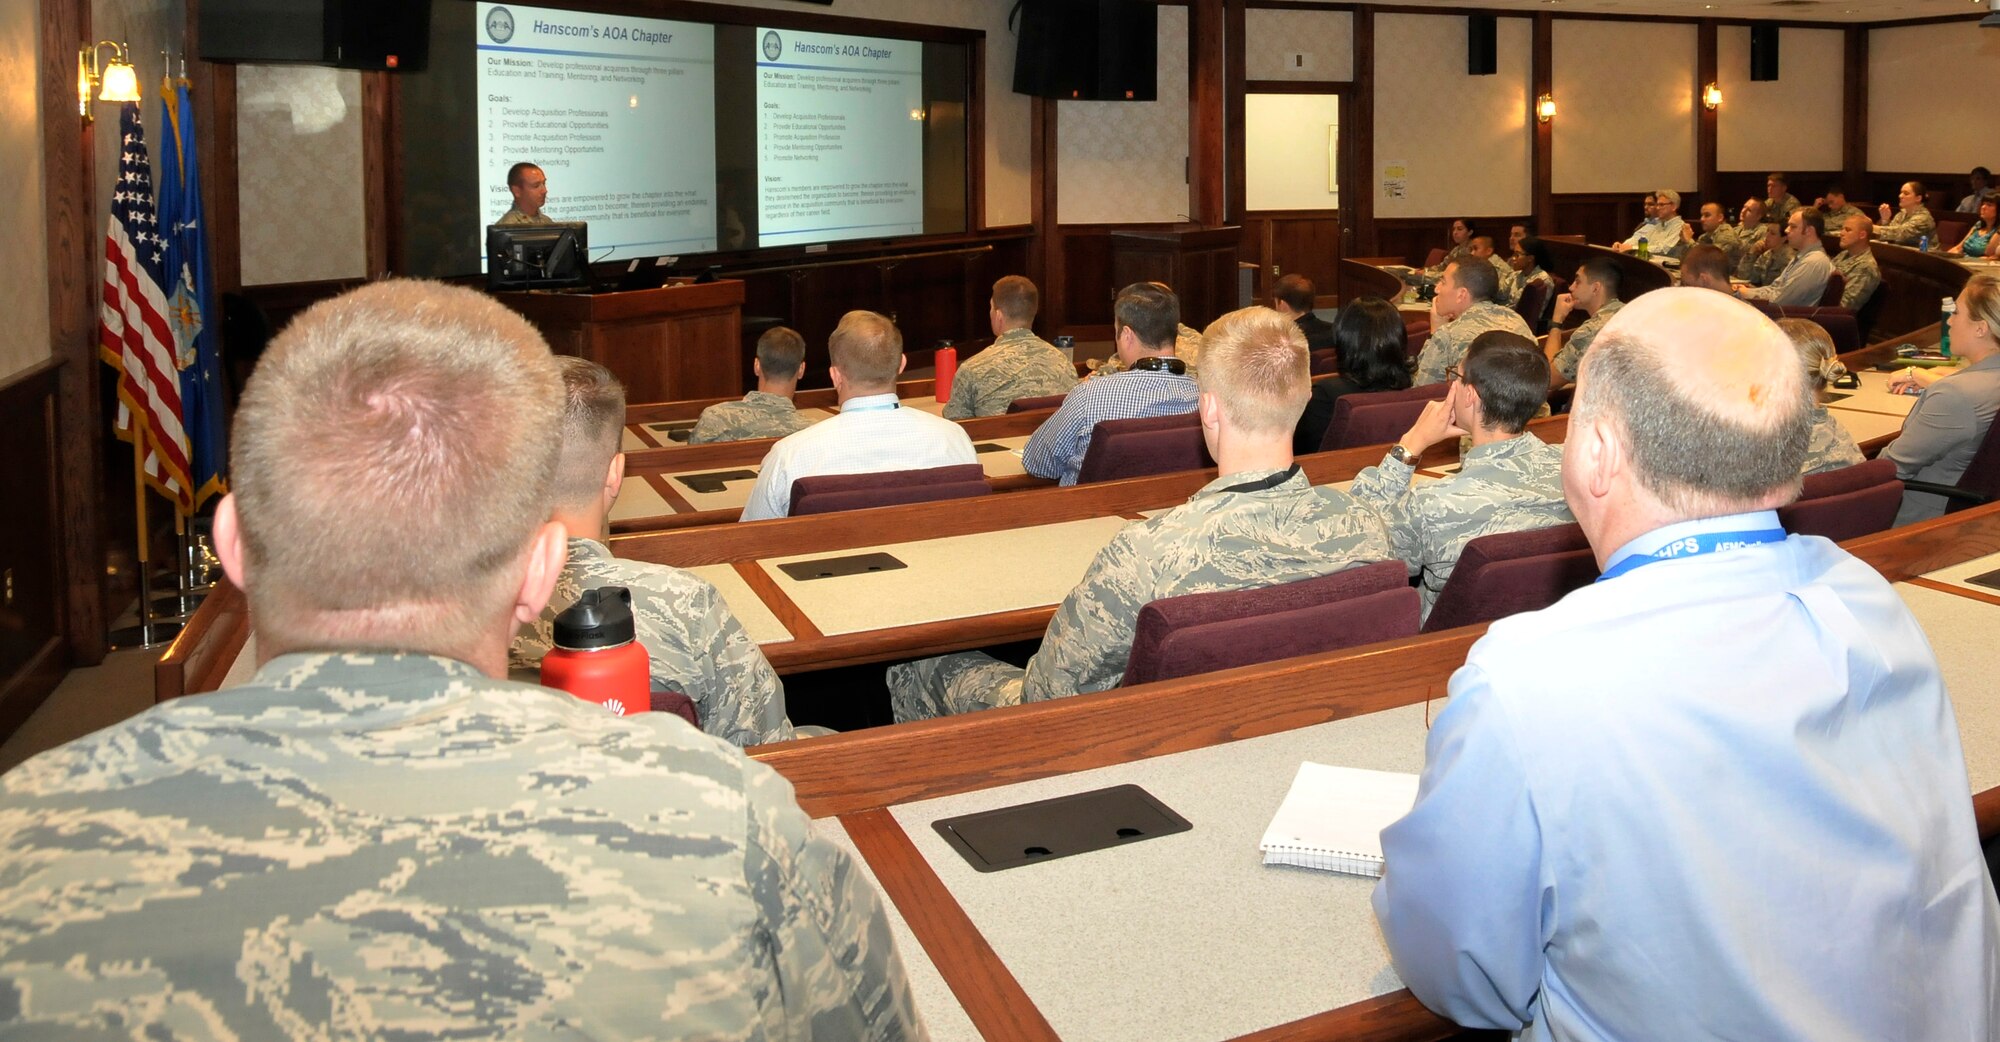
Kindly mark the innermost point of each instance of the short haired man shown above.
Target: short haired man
(1835, 207)
(1856, 262)
(1912, 223)
(1750, 217)
(377, 836)
(530, 189)
(1467, 303)
(768, 411)
(1516, 235)
(1779, 202)
(1293, 297)
(696, 645)
(1663, 231)
(1804, 279)
(1187, 346)
(1153, 381)
(1018, 364)
(1261, 522)
(1509, 481)
(1480, 247)
(1595, 290)
(1719, 793)
(873, 432)
(1706, 267)
(1981, 190)
(1765, 256)
(1715, 231)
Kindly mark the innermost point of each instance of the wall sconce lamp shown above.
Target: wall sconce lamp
(1711, 97)
(1545, 108)
(117, 80)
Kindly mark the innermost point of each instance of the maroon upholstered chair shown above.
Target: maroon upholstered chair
(1416, 332)
(1979, 484)
(1046, 401)
(1536, 300)
(1511, 572)
(680, 705)
(1435, 257)
(1147, 445)
(1836, 285)
(1204, 632)
(1847, 503)
(1324, 361)
(827, 493)
(1952, 228)
(1377, 417)
(1839, 323)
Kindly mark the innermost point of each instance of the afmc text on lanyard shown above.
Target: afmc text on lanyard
(1695, 546)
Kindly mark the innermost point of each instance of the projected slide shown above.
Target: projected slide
(618, 111)
(839, 137)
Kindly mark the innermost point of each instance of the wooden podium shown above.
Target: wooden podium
(666, 344)
(1199, 263)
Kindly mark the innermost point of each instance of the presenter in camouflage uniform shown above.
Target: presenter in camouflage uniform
(1261, 522)
(1831, 447)
(766, 412)
(1466, 305)
(378, 838)
(1911, 224)
(1856, 262)
(1595, 290)
(696, 645)
(1510, 481)
(1018, 364)
(530, 188)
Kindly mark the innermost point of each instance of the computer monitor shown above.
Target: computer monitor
(537, 256)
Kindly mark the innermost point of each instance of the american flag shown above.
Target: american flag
(132, 333)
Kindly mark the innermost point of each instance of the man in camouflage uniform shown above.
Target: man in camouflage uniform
(530, 188)
(1510, 481)
(696, 645)
(1837, 209)
(766, 412)
(375, 837)
(1779, 201)
(1595, 290)
(1466, 305)
(1018, 364)
(1716, 231)
(1912, 224)
(1766, 256)
(1261, 522)
(1856, 262)
(1481, 248)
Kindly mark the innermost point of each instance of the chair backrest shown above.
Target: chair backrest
(1836, 285)
(1536, 298)
(1147, 445)
(1435, 257)
(1510, 572)
(827, 493)
(1982, 475)
(1951, 229)
(1416, 332)
(1377, 417)
(1204, 632)
(1046, 401)
(1846, 503)
(1325, 360)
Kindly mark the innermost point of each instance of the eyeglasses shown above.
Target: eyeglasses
(1452, 373)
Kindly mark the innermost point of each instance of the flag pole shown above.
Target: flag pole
(145, 552)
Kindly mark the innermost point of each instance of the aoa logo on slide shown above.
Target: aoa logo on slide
(774, 48)
(500, 25)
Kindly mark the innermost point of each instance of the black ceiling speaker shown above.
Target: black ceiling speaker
(1482, 55)
(1763, 52)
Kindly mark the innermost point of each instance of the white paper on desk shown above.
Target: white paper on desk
(1333, 817)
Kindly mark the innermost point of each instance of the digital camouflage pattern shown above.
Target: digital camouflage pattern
(394, 846)
(1909, 227)
(1725, 238)
(1762, 269)
(696, 645)
(1838, 217)
(1232, 535)
(1831, 447)
(1018, 364)
(514, 216)
(1578, 342)
(1447, 345)
(1187, 348)
(1863, 275)
(1780, 210)
(1504, 486)
(759, 414)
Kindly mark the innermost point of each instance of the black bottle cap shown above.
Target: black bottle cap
(601, 618)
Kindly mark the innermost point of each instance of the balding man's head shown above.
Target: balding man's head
(1254, 363)
(866, 350)
(1706, 398)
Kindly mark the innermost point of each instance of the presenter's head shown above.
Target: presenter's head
(591, 469)
(392, 462)
(530, 188)
(1254, 378)
(1145, 320)
(1014, 304)
(866, 354)
(1690, 404)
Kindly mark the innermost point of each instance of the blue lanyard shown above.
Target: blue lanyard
(1694, 546)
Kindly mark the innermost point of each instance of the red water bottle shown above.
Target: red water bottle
(946, 362)
(596, 657)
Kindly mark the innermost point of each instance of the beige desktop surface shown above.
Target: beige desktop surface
(1006, 462)
(1960, 630)
(630, 442)
(636, 498)
(749, 609)
(1866, 426)
(1957, 574)
(954, 577)
(734, 493)
(1873, 396)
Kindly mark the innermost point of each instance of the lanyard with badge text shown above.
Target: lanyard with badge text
(1695, 546)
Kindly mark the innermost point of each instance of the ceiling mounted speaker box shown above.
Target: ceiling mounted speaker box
(1482, 56)
(1088, 50)
(350, 34)
(1763, 52)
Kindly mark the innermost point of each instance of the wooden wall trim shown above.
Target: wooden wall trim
(1235, 56)
(381, 195)
(1208, 138)
(1357, 118)
(1047, 250)
(1541, 74)
(1854, 109)
(1705, 118)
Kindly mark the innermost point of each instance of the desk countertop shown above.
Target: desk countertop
(638, 498)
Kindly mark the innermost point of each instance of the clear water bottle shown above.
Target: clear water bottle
(1923, 244)
(1948, 309)
(1644, 252)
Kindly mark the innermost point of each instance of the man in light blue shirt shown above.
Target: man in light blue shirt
(1719, 793)
(1154, 382)
(1803, 281)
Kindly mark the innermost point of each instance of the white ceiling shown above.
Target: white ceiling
(1795, 10)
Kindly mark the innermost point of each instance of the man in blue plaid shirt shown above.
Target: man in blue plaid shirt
(1153, 383)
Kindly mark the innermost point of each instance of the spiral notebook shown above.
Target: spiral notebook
(1333, 817)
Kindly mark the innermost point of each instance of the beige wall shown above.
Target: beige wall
(1625, 100)
(24, 293)
(1790, 123)
(1126, 161)
(298, 158)
(1930, 97)
(1271, 37)
(146, 27)
(1465, 138)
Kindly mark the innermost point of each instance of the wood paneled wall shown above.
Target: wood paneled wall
(1287, 242)
(33, 654)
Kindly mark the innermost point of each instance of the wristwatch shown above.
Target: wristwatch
(1403, 456)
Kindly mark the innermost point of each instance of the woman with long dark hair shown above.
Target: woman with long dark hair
(1374, 356)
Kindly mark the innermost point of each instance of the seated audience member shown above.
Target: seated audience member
(696, 645)
(1018, 364)
(1804, 279)
(379, 837)
(1750, 220)
(1510, 480)
(1912, 223)
(1516, 235)
(1954, 406)
(872, 433)
(1719, 793)
(1462, 231)
(1373, 346)
(1830, 447)
(1835, 207)
(1766, 257)
(1481, 248)
(766, 412)
(1293, 297)
(1152, 381)
(1663, 231)
(1261, 522)
(1706, 267)
(1780, 201)
(1980, 240)
(1982, 190)
(1530, 266)
(1715, 231)
(1595, 290)
(1187, 346)
(1467, 304)
(1856, 263)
